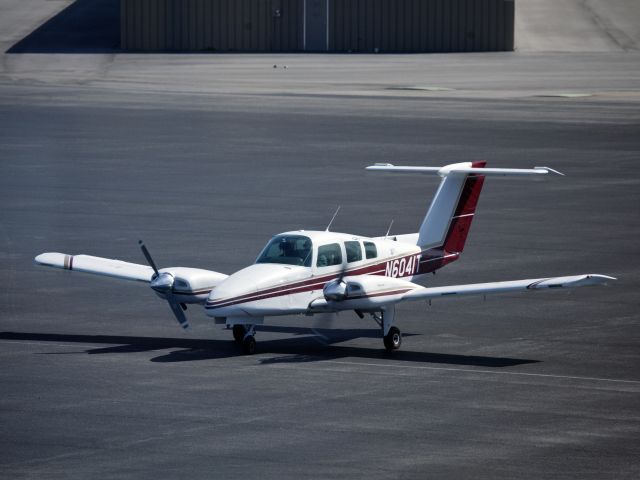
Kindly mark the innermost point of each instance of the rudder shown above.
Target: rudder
(460, 223)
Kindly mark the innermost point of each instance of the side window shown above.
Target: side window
(329, 255)
(370, 249)
(354, 252)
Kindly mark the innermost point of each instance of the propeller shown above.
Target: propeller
(323, 321)
(336, 290)
(162, 283)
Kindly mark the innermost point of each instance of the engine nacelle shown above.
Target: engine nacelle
(362, 292)
(335, 290)
(190, 285)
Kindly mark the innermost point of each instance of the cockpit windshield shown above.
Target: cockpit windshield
(287, 249)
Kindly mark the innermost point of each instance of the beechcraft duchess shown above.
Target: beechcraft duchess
(319, 272)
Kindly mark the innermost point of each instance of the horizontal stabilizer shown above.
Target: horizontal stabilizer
(425, 293)
(464, 168)
(96, 265)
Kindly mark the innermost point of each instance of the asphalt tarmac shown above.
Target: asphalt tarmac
(98, 380)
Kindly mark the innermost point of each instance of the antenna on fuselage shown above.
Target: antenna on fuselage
(388, 229)
(333, 218)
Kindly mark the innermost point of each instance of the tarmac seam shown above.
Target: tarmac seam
(468, 370)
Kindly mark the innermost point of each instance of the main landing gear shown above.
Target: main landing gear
(393, 339)
(245, 335)
(391, 336)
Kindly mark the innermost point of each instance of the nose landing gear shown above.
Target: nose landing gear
(249, 345)
(245, 335)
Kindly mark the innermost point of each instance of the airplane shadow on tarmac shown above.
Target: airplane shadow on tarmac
(306, 346)
(85, 26)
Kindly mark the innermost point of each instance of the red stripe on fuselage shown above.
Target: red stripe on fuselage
(427, 265)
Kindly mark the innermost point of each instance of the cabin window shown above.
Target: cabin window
(354, 252)
(370, 250)
(288, 250)
(329, 255)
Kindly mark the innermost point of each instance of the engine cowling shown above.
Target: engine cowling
(335, 290)
(363, 292)
(188, 285)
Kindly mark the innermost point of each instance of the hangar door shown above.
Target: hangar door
(212, 25)
(316, 35)
(420, 25)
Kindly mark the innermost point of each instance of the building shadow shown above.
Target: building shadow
(297, 349)
(85, 26)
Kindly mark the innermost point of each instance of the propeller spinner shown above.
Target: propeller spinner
(336, 290)
(162, 283)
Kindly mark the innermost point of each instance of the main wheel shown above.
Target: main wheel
(249, 345)
(393, 339)
(239, 333)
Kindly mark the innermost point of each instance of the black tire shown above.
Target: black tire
(249, 345)
(393, 339)
(238, 333)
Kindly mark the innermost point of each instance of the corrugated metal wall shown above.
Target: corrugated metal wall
(212, 25)
(420, 25)
(351, 25)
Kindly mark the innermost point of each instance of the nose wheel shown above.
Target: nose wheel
(245, 335)
(249, 345)
(239, 332)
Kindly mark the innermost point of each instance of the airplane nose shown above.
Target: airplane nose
(245, 292)
(226, 298)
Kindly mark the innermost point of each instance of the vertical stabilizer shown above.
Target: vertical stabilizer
(447, 222)
(449, 217)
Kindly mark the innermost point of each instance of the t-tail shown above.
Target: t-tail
(444, 230)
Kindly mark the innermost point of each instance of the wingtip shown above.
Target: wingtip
(376, 166)
(602, 278)
(549, 170)
(52, 259)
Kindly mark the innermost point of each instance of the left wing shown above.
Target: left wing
(96, 265)
(177, 285)
(422, 293)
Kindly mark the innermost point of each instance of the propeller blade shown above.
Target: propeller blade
(178, 312)
(335, 290)
(342, 273)
(323, 321)
(163, 284)
(147, 255)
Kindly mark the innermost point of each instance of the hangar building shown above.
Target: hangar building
(365, 26)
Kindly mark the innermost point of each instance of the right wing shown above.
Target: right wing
(425, 293)
(374, 292)
(96, 265)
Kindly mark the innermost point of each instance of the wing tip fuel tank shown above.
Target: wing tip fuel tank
(54, 259)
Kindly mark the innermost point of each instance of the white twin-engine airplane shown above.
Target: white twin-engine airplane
(314, 272)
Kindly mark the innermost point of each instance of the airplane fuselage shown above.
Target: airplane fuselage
(295, 286)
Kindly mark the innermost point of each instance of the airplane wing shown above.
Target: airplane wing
(179, 286)
(425, 293)
(97, 265)
(374, 292)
